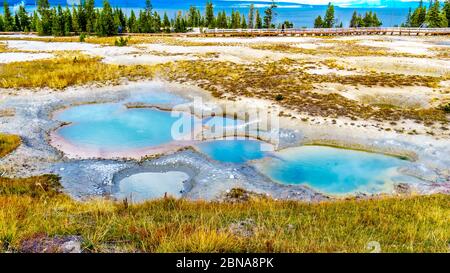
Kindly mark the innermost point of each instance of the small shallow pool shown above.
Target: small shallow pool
(149, 185)
(233, 151)
(334, 171)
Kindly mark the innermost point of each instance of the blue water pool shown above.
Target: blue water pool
(334, 171)
(233, 150)
(112, 126)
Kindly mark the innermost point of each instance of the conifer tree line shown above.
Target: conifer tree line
(436, 16)
(107, 21)
(370, 19)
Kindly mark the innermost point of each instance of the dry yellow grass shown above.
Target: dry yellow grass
(289, 79)
(8, 143)
(3, 48)
(66, 70)
(7, 112)
(32, 208)
(336, 48)
(442, 52)
(132, 40)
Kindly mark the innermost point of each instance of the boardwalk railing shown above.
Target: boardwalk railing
(328, 31)
(294, 32)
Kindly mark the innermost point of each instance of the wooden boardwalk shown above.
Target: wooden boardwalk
(327, 32)
(293, 32)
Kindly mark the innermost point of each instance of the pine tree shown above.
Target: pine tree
(318, 23)
(132, 25)
(236, 20)
(8, 18)
(288, 24)
(193, 17)
(146, 24)
(156, 22)
(90, 15)
(329, 19)
(166, 23)
(435, 18)
(354, 22)
(419, 15)
(446, 11)
(34, 21)
(375, 21)
(24, 19)
(269, 14)
(67, 21)
(117, 21)
(105, 23)
(2, 23)
(61, 20)
(45, 22)
(56, 27)
(75, 26)
(233, 22)
(17, 26)
(258, 21)
(121, 20)
(250, 16)
(408, 19)
(201, 19)
(81, 18)
(209, 15)
(221, 20)
(368, 20)
(243, 22)
(180, 24)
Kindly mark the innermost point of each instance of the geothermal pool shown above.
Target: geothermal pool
(147, 185)
(334, 171)
(115, 127)
(233, 151)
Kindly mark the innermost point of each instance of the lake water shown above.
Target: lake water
(302, 15)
